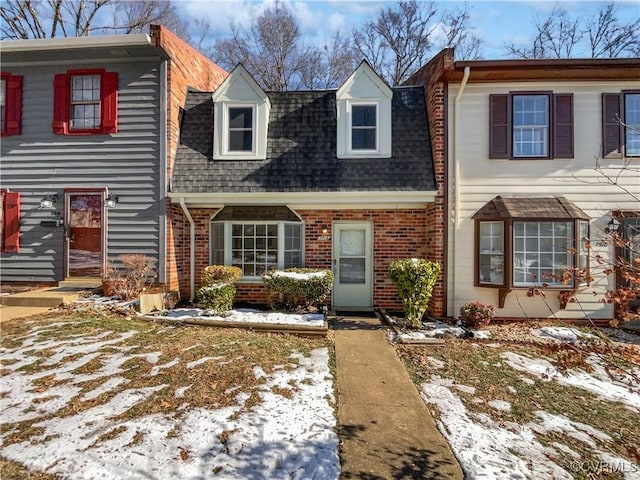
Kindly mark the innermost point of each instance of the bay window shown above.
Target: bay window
(550, 248)
(256, 246)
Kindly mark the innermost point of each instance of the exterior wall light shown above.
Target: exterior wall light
(48, 202)
(111, 201)
(612, 226)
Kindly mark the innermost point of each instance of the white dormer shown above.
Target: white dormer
(241, 118)
(364, 115)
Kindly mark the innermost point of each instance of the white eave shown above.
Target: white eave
(335, 200)
(72, 43)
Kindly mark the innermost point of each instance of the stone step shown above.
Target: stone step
(48, 297)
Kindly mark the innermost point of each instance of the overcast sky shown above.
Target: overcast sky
(495, 21)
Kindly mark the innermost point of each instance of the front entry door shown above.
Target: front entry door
(352, 265)
(84, 234)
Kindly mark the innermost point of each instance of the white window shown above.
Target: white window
(85, 102)
(256, 247)
(541, 252)
(530, 125)
(241, 129)
(632, 122)
(364, 127)
(492, 253)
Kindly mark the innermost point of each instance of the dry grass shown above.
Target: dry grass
(481, 366)
(156, 355)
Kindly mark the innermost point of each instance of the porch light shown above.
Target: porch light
(325, 229)
(612, 226)
(48, 201)
(111, 201)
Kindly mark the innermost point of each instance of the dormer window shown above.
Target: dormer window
(240, 118)
(241, 129)
(364, 127)
(363, 105)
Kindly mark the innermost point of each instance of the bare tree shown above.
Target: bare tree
(22, 19)
(403, 37)
(609, 37)
(459, 34)
(273, 52)
(398, 41)
(561, 36)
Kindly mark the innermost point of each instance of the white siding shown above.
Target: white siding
(481, 179)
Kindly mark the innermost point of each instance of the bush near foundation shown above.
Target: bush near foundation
(217, 289)
(291, 286)
(414, 278)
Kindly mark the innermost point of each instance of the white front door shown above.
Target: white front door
(352, 265)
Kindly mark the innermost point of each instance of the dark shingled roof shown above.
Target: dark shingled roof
(527, 207)
(301, 149)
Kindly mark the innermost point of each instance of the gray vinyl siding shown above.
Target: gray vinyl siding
(128, 163)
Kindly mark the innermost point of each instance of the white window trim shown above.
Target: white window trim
(543, 128)
(225, 129)
(228, 253)
(364, 103)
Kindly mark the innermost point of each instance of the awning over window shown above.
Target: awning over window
(530, 208)
(258, 213)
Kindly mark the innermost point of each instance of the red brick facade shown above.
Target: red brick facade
(187, 68)
(435, 92)
(396, 234)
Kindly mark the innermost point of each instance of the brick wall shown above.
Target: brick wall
(187, 68)
(397, 234)
(435, 91)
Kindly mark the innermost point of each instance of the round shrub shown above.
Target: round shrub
(217, 298)
(476, 314)
(215, 274)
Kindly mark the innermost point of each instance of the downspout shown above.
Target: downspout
(455, 180)
(192, 249)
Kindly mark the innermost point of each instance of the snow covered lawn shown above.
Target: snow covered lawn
(108, 397)
(538, 402)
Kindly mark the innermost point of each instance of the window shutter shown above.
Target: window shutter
(13, 105)
(11, 222)
(611, 126)
(563, 125)
(109, 102)
(499, 126)
(61, 104)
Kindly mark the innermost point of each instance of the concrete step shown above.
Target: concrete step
(48, 297)
(81, 283)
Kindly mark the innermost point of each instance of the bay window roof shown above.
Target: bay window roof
(530, 208)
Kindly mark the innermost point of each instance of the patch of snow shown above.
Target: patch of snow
(611, 464)
(243, 315)
(436, 363)
(484, 449)
(280, 437)
(500, 405)
(202, 360)
(561, 424)
(298, 276)
(561, 334)
(606, 389)
(512, 390)
(156, 370)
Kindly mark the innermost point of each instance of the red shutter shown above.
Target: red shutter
(13, 113)
(611, 125)
(11, 222)
(61, 104)
(563, 125)
(499, 126)
(109, 102)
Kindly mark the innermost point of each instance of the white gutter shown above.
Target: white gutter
(192, 250)
(455, 181)
(71, 43)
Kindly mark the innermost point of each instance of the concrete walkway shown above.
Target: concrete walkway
(386, 430)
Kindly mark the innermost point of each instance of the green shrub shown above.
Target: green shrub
(217, 298)
(414, 278)
(290, 286)
(217, 289)
(215, 274)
